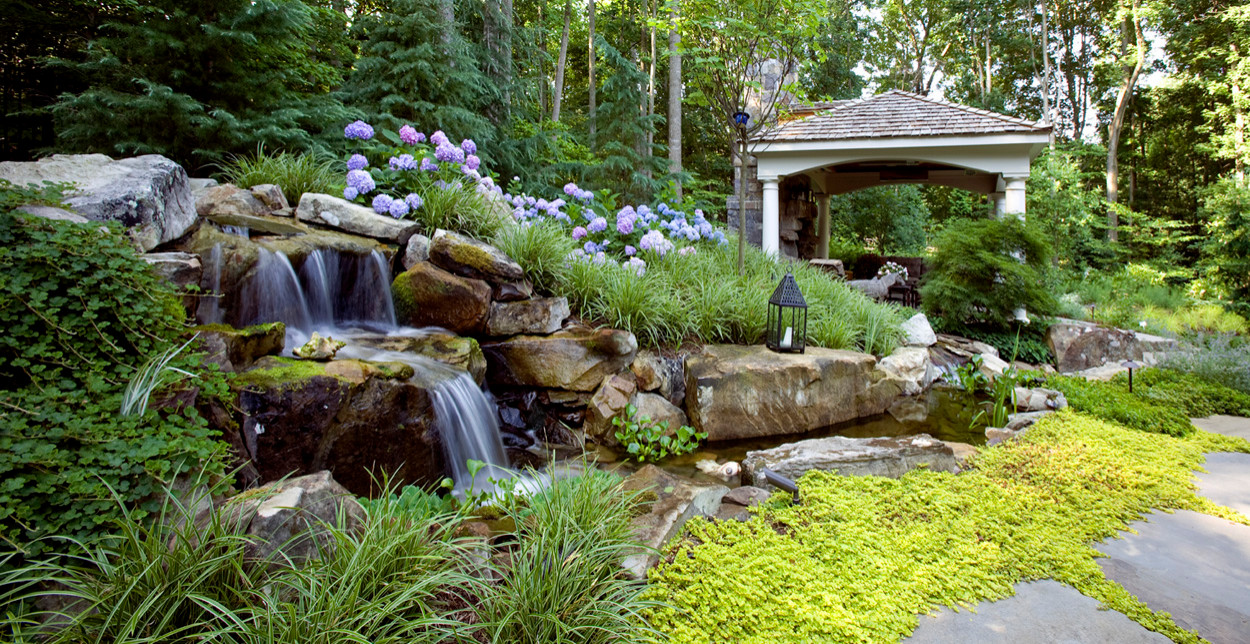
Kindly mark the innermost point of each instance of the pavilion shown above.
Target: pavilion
(896, 137)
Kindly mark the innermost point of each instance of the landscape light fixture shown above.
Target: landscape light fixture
(741, 118)
(1130, 365)
(787, 318)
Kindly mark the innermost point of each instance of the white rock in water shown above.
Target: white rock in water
(917, 332)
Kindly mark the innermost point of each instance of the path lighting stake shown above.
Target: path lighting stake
(741, 118)
(1130, 365)
(787, 318)
(782, 482)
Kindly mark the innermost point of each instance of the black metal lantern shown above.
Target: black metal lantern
(741, 118)
(787, 318)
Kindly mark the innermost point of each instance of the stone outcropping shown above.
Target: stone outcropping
(892, 457)
(1078, 347)
(537, 316)
(426, 295)
(469, 257)
(676, 501)
(237, 349)
(326, 210)
(456, 351)
(735, 392)
(356, 419)
(290, 515)
(150, 194)
(573, 359)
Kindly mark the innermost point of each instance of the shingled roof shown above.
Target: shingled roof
(896, 114)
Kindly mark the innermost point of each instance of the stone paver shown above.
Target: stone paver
(1228, 425)
(1227, 482)
(1194, 566)
(1041, 612)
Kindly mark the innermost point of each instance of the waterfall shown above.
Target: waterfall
(320, 274)
(274, 294)
(209, 309)
(468, 424)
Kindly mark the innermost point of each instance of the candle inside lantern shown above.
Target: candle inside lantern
(786, 339)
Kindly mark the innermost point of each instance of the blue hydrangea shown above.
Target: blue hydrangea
(350, 193)
(427, 165)
(361, 181)
(403, 162)
(382, 204)
(445, 152)
(357, 162)
(590, 247)
(358, 130)
(597, 225)
(414, 201)
(398, 208)
(438, 138)
(468, 146)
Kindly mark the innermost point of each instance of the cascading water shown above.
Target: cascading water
(274, 294)
(209, 309)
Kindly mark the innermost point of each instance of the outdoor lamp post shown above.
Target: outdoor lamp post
(1131, 366)
(741, 118)
(787, 318)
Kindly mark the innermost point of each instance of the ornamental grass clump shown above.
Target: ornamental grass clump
(295, 173)
(862, 557)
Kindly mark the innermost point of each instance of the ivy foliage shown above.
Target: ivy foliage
(863, 556)
(81, 311)
(984, 270)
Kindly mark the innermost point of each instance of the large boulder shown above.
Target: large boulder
(609, 401)
(663, 374)
(538, 316)
(912, 366)
(735, 392)
(416, 250)
(674, 501)
(291, 515)
(471, 258)
(149, 194)
(660, 410)
(1079, 347)
(426, 295)
(228, 199)
(917, 332)
(892, 457)
(237, 349)
(573, 359)
(335, 212)
(358, 420)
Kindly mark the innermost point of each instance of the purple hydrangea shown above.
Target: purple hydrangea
(414, 201)
(579, 232)
(358, 130)
(438, 138)
(630, 251)
(637, 266)
(360, 181)
(446, 152)
(590, 247)
(570, 188)
(398, 208)
(427, 165)
(600, 258)
(655, 242)
(457, 155)
(625, 223)
(357, 162)
(403, 162)
(382, 204)
(350, 193)
(410, 136)
(597, 225)
(468, 146)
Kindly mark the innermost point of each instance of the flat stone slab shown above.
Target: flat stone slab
(1227, 482)
(1227, 425)
(1194, 566)
(1041, 612)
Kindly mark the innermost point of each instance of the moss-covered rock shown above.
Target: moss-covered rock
(236, 349)
(469, 257)
(426, 295)
(457, 351)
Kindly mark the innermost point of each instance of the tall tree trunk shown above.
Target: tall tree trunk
(561, 59)
(447, 15)
(505, 44)
(1047, 114)
(652, 12)
(1117, 120)
(591, 54)
(674, 102)
(542, 58)
(1239, 118)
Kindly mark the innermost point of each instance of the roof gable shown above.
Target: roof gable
(897, 114)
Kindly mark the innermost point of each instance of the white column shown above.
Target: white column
(770, 239)
(998, 199)
(1013, 201)
(822, 225)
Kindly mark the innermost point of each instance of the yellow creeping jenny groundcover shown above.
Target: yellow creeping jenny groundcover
(862, 557)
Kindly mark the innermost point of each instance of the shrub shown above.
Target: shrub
(1226, 208)
(81, 311)
(295, 173)
(1112, 401)
(1220, 359)
(984, 270)
(1189, 393)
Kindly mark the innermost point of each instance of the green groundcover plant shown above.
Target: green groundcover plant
(862, 557)
(1163, 400)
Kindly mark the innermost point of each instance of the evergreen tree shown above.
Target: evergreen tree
(621, 126)
(414, 69)
(196, 81)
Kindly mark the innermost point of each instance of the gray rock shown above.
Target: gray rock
(735, 392)
(832, 266)
(290, 513)
(417, 250)
(1039, 399)
(677, 500)
(662, 374)
(55, 214)
(660, 410)
(917, 332)
(183, 270)
(271, 196)
(892, 457)
(912, 366)
(573, 359)
(539, 316)
(747, 496)
(609, 401)
(327, 210)
(228, 200)
(512, 291)
(149, 194)
(472, 258)
(1020, 422)
(1078, 347)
